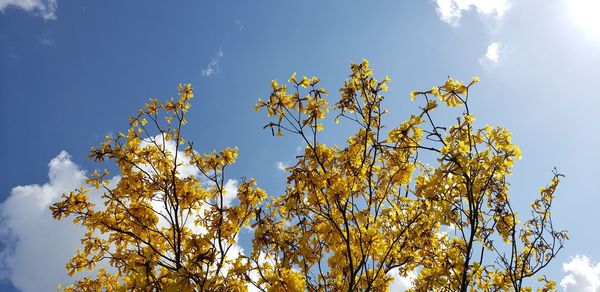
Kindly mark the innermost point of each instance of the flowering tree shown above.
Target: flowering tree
(418, 198)
(351, 215)
(168, 224)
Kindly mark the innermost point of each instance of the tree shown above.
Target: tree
(351, 215)
(418, 198)
(168, 224)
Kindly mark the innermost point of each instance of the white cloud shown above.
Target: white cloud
(213, 65)
(36, 246)
(582, 275)
(231, 189)
(450, 11)
(255, 276)
(401, 283)
(281, 165)
(45, 9)
(184, 168)
(492, 54)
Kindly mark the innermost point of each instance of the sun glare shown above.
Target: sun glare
(586, 16)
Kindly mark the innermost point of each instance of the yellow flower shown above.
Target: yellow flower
(413, 95)
(305, 82)
(293, 78)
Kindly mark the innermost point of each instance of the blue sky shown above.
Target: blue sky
(72, 71)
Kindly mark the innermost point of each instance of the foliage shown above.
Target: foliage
(349, 219)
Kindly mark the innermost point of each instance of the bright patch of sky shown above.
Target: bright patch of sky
(584, 14)
(71, 72)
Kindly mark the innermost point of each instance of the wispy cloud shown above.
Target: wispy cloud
(451, 11)
(239, 24)
(48, 42)
(44, 8)
(281, 165)
(582, 275)
(213, 65)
